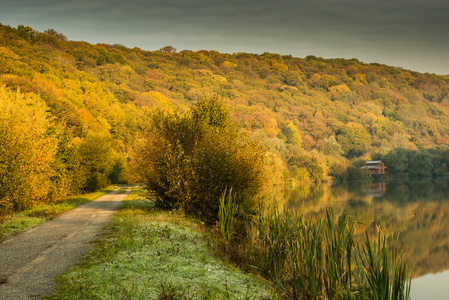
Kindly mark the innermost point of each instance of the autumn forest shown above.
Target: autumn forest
(72, 114)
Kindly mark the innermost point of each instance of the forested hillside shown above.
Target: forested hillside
(317, 116)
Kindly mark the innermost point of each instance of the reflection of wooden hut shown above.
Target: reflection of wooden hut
(375, 167)
(377, 189)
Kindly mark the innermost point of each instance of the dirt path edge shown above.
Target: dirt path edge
(30, 261)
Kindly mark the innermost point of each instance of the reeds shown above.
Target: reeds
(384, 275)
(226, 215)
(318, 259)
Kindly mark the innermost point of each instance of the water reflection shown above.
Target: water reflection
(414, 213)
(377, 189)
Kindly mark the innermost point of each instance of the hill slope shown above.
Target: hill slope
(312, 112)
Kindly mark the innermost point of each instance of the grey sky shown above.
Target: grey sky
(413, 34)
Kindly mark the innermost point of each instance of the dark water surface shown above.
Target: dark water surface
(413, 213)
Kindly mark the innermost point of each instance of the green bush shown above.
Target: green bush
(95, 182)
(189, 159)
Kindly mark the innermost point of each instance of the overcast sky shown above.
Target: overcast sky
(413, 34)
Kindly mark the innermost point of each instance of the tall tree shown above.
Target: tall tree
(27, 151)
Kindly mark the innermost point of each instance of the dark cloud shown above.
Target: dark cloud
(404, 33)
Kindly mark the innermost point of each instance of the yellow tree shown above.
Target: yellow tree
(27, 151)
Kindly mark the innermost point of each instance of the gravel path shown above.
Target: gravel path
(30, 261)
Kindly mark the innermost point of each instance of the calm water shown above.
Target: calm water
(416, 212)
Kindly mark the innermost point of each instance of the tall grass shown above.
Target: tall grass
(226, 215)
(319, 259)
(383, 273)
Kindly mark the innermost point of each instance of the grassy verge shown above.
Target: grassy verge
(149, 254)
(15, 223)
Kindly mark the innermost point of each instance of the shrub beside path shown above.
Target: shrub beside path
(30, 261)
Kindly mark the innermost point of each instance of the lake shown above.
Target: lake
(413, 213)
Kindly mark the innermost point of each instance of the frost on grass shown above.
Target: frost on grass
(147, 259)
